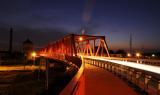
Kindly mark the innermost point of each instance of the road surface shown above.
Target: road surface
(98, 81)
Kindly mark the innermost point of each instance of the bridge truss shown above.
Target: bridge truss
(73, 45)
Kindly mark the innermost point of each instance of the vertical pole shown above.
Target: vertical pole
(87, 46)
(47, 75)
(106, 46)
(73, 45)
(90, 49)
(67, 46)
(78, 49)
(158, 88)
(71, 48)
(130, 43)
(98, 48)
(102, 49)
(84, 48)
(137, 78)
(94, 47)
(62, 46)
(147, 78)
(10, 40)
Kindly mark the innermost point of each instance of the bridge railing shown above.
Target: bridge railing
(145, 82)
(73, 85)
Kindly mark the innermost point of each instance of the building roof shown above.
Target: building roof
(27, 42)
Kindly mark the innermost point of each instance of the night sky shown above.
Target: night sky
(47, 20)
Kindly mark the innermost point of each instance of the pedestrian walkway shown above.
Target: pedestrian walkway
(98, 81)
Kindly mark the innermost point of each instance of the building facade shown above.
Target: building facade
(28, 48)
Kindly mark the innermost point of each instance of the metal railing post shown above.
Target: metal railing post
(158, 89)
(147, 79)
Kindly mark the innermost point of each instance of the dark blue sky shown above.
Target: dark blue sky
(46, 20)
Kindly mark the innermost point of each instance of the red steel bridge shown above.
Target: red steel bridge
(100, 74)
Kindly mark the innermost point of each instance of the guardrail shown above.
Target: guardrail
(144, 81)
(73, 85)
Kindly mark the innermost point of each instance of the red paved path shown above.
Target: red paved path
(101, 82)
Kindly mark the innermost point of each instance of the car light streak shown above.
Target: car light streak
(154, 69)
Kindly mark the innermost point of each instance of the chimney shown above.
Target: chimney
(130, 43)
(10, 40)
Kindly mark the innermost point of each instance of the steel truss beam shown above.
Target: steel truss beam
(73, 45)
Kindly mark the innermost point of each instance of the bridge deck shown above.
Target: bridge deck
(101, 82)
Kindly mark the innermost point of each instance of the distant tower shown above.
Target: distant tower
(83, 31)
(130, 43)
(28, 48)
(10, 39)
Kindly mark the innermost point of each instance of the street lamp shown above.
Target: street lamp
(33, 54)
(80, 39)
(129, 55)
(138, 54)
(153, 55)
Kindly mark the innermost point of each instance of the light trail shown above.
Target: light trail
(17, 68)
(153, 69)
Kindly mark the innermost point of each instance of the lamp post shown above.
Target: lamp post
(138, 55)
(33, 54)
(129, 55)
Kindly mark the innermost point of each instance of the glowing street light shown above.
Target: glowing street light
(129, 55)
(153, 55)
(33, 54)
(138, 54)
(80, 39)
